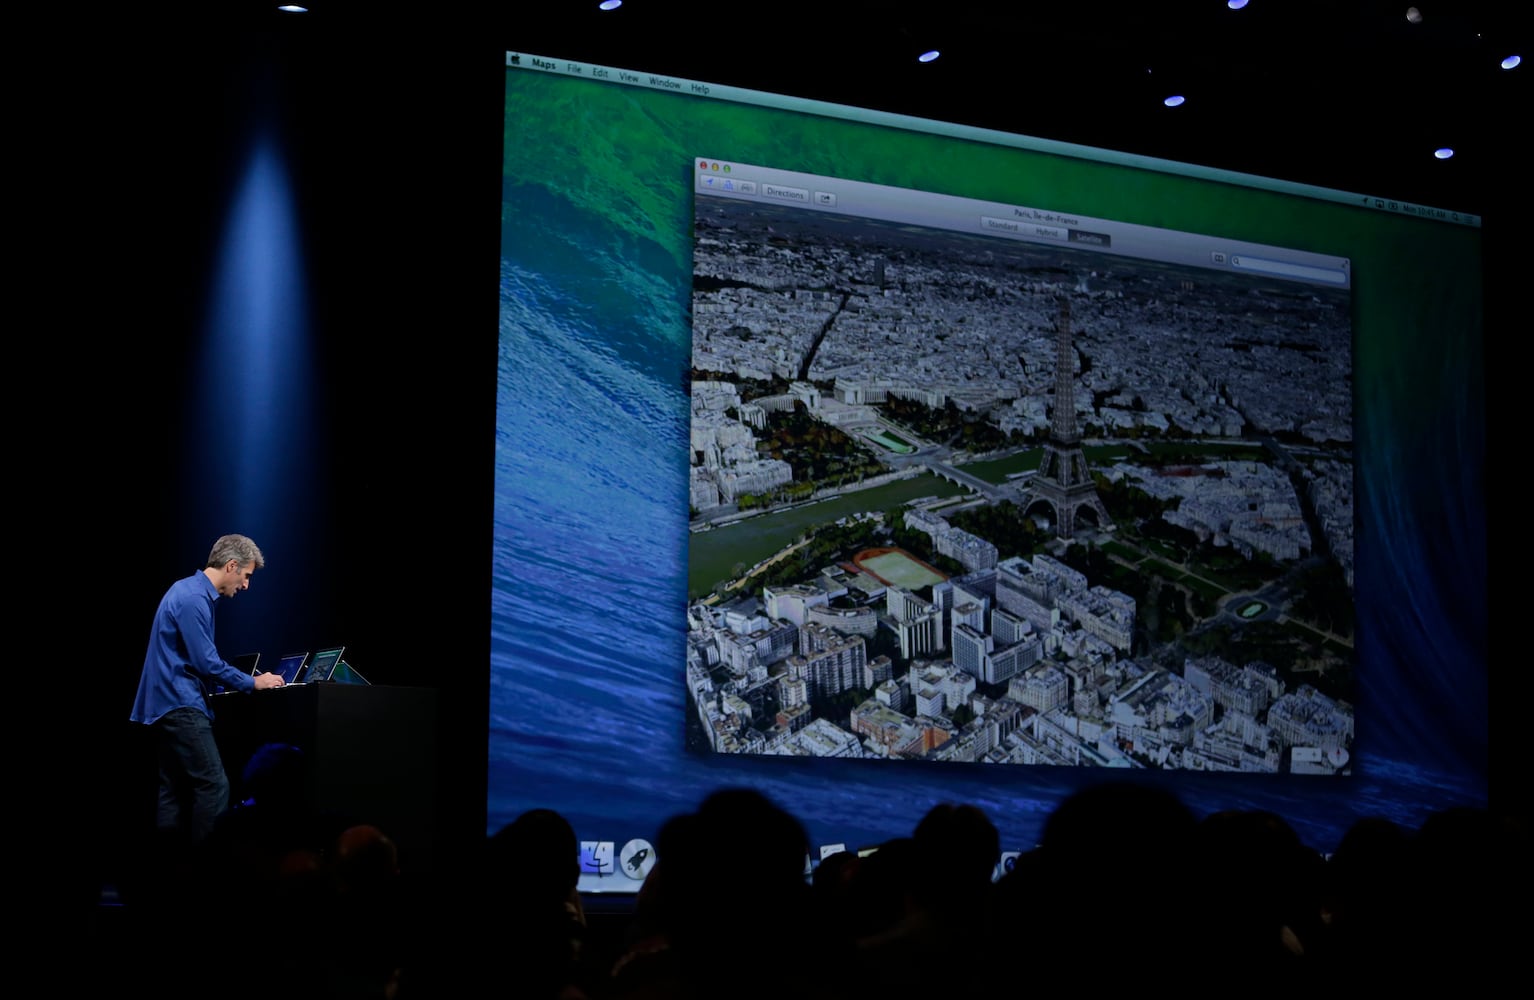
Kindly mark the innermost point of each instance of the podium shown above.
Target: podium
(370, 749)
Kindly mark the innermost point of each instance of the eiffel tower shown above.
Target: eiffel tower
(1063, 480)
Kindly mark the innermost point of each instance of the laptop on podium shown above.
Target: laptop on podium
(323, 666)
(345, 673)
(290, 668)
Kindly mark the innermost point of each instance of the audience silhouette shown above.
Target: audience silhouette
(943, 875)
(1124, 876)
(1273, 920)
(534, 928)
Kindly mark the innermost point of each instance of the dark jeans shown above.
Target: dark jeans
(194, 789)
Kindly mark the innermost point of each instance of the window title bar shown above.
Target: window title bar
(740, 95)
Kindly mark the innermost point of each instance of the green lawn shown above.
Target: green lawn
(1165, 570)
(1210, 452)
(1123, 551)
(1209, 590)
(996, 470)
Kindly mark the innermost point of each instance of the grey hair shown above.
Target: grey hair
(237, 547)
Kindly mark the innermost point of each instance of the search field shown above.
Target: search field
(1288, 269)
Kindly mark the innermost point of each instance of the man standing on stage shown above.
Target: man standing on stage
(180, 664)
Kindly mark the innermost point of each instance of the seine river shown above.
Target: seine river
(712, 555)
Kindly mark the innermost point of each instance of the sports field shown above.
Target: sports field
(898, 568)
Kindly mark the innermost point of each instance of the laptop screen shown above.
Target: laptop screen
(290, 666)
(324, 664)
(344, 674)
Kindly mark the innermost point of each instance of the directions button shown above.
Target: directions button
(785, 193)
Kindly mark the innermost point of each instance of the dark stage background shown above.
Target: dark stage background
(375, 510)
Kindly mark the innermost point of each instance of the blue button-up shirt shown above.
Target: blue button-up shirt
(182, 659)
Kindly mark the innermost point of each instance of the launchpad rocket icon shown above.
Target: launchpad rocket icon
(636, 859)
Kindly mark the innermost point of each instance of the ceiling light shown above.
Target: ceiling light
(1235, 4)
(1443, 153)
(928, 55)
(610, 4)
(1511, 62)
(1174, 101)
(293, 8)
(1414, 15)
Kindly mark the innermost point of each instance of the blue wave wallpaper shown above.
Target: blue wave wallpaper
(587, 701)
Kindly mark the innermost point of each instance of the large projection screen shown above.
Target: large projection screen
(782, 470)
